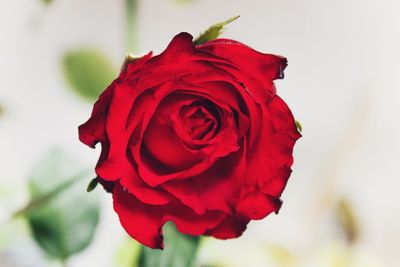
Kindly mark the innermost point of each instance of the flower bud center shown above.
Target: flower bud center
(199, 120)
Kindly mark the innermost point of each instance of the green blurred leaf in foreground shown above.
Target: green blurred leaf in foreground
(87, 71)
(64, 223)
(213, 32)
(179, 250)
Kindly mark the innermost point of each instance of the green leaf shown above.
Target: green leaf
(299, 126)
(179, 250)
(213, 32)
(87, 71)
(64, 222)
(92, 185)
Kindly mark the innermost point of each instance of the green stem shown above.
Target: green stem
(131, 9)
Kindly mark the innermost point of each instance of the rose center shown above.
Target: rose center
(200, 120)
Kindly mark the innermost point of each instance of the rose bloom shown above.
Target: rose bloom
(196, 135)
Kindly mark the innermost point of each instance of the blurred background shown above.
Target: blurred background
(341, 205)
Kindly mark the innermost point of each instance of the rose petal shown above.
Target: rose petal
(216, 189)
(135, 185)
(265, 67)
(230, 227)
(181, 49)
(144, 222)
(136, 64)
(141, 222)
(268, 166)
(93, 131)
(256, 205)
(161, 140)
(276, 185)
(120, 128)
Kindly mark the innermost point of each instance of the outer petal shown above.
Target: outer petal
(269, 162)
(181, 49)
(265, 67)
(136, 64)
(93, 131)
(230, 227)
(144, 222)
(256, 205)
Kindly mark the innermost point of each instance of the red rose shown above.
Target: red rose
(195, 135)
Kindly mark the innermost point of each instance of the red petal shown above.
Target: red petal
(93, 131)
(266, 67)
(144, 222)
(231, 227)
(216, 189)
(177, 49)
(148, 195)
(161, 140)
(268, 166)
(135, 65)
(256, 206)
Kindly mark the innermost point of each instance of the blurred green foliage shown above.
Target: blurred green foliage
(128, 254)
(47, 2)
(131, 25)
(64, 223)
(213, 32)
(179, 250)
(87, 71)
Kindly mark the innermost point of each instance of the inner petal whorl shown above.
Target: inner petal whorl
(199, 122)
